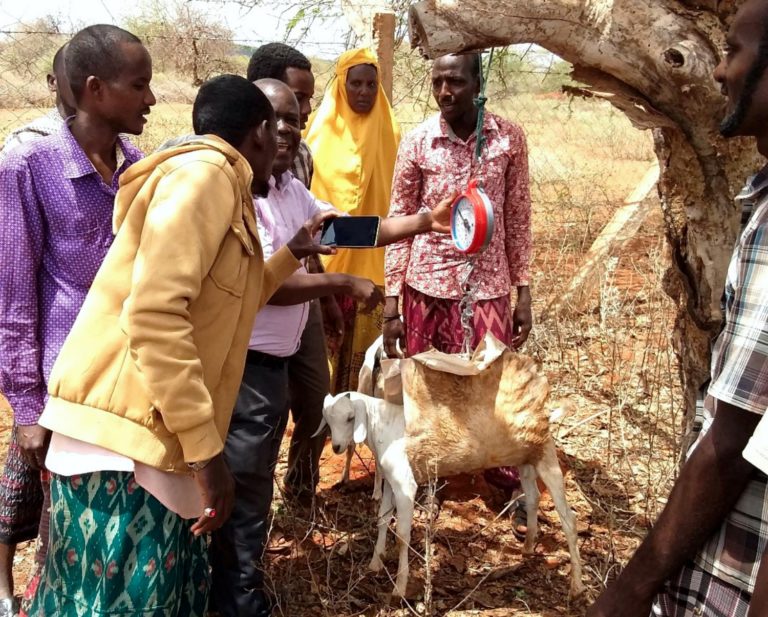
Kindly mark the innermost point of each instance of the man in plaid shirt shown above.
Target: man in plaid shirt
(703, 555)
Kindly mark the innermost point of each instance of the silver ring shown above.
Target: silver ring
(209, 512)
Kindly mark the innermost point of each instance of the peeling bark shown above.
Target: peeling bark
(652, 59)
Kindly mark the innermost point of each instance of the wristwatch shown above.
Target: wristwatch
(199, 465)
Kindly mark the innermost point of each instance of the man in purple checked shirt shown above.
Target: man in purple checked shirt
(21, 493)
(56, 201)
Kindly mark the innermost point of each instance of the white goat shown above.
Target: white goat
(452, 424)
(369, 382)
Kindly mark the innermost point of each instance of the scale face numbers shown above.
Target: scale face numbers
(472, 220)
(463, 225)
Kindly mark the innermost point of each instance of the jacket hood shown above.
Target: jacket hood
(134, 178)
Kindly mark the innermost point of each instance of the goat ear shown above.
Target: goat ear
(361, 421)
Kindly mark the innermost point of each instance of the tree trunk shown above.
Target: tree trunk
(656, 58)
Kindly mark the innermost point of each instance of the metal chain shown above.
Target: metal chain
(467, 308)
(468, 288)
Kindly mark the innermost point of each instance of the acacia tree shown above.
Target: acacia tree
(654, 60)
(185, 40)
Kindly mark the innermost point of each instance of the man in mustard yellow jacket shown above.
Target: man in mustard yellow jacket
(143, 389)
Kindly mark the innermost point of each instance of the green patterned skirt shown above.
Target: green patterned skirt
(116, 550)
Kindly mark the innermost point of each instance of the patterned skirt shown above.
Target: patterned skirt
(116, 550)
(360, 331)
(21, 497)
(436, 322)
(695, 592)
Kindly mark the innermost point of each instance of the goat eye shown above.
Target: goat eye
(350, 419)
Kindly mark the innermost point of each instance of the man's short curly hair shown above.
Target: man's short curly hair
(95, 50)
(273, 59)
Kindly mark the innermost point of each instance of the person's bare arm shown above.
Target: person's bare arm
(301, 287)
(709, 485)
(395, 228)
(522, 317)
(758, 606)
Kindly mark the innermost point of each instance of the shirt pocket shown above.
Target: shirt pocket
(230, 268)
(78, 249)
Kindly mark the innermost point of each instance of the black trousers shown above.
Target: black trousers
(251, 451)
(309, 380)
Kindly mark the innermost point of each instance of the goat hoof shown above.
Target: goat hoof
(376, 564)
(377, 494)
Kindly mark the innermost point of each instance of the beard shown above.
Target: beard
(731, 124)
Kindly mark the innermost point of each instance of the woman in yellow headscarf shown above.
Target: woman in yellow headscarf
(353, 136)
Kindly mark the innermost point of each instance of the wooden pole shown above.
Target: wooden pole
(384, 44)
(622, 227)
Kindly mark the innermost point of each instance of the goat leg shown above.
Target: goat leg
(377, 481)
(531, 490)
(348, 463)
(385, 514)
(549, 471)
(404, 490)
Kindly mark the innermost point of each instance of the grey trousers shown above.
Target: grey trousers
(251, 451)
(309, 380)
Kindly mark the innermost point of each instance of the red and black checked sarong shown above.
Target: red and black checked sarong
(695, 592)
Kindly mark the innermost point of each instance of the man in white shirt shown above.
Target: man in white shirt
(261, 411)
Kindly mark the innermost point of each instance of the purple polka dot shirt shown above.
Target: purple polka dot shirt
(55, 229)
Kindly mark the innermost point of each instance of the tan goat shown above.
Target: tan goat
(452, 424)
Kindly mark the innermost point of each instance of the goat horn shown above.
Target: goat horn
(320, 428)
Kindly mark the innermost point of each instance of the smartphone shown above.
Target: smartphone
(351, 231)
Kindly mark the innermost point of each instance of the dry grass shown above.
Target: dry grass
(614, 365)
(615, 369)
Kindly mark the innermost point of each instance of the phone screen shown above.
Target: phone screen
(351, 231)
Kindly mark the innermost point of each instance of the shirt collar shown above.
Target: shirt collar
(440, 129)
(76, 162)
(54, 117)
(285, 180)
(756, 185)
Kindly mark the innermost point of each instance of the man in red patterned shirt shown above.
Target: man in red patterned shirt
(436, 160)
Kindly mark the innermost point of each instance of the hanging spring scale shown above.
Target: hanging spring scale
(482, 223)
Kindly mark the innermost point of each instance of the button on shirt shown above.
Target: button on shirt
(432, 163)
(55, 230)
(277, 330)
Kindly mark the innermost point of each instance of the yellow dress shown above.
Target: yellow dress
(354, 160)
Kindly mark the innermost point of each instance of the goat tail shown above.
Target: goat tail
(559, 409)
